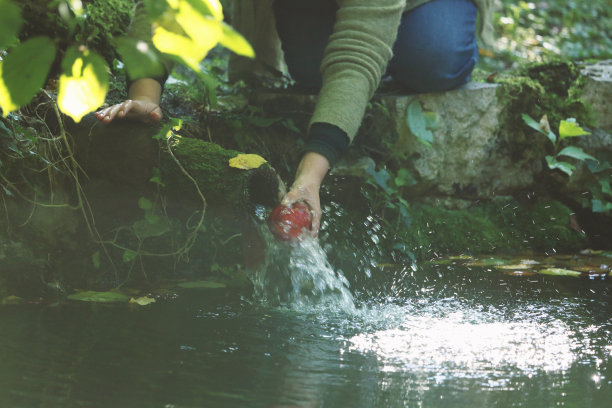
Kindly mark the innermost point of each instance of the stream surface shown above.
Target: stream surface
(414, 336)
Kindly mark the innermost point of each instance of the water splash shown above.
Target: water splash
(299, 276)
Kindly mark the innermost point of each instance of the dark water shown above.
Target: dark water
(436, 336)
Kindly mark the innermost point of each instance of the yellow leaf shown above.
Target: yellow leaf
(83, 84)
(187, 33)
(11, 300)
(142, 301)
(234, 41)
(247, 161)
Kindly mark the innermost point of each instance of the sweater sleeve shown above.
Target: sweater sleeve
(355, 59)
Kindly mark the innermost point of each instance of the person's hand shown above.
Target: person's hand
(310, 174)
(144, 111)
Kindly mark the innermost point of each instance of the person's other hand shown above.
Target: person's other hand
(144, 111)
(310, 174)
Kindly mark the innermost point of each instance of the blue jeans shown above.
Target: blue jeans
(435, 49)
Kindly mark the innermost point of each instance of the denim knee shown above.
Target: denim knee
(436, 47)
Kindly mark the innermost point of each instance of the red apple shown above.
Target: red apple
(287, 223)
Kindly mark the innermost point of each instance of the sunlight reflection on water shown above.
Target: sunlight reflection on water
(471, 342)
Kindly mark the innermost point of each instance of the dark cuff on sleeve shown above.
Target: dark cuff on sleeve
(328, 140)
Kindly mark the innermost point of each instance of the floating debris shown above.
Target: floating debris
(101, 297)
(142, 301)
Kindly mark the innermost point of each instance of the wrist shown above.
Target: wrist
(312, 170)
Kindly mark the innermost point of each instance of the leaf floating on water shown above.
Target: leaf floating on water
(12, 300)
(489, 262)
(102, 297)
(247, 161)
(142, 301)
(460, 257)
(559, 272)
(203, 284)
(519, 273)
(515, 266)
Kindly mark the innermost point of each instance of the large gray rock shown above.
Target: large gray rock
(481, 147)
(472, 153)
(597, 92)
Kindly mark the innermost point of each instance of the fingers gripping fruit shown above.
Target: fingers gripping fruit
(288, 223)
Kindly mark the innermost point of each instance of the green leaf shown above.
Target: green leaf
(565, 167)
(152, 218)
(417, 124)
(24, 71)
(129, 255)
(568, 128)
(381, 178)
(95, 259)
(157, 177)
(139, 58)
(432, 120)
(559, 272)
(532, 123)
(536, 126)
(145, 204)
(103, 297)
(599, 206)
(404, 178)
(203, 284)
(83, 83)
(576, 153)
(605, 187)
(10, 23)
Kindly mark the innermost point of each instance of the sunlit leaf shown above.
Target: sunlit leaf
(142, 301)
(24, 71)
(10, 22)
(565, 167)
(186, 33)
(232, 40)
(576, 153)
(83, 83)
(203, 284)
(559, 272)
(570, 129)
(247, 161)
(103, 297)
(139, 58)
